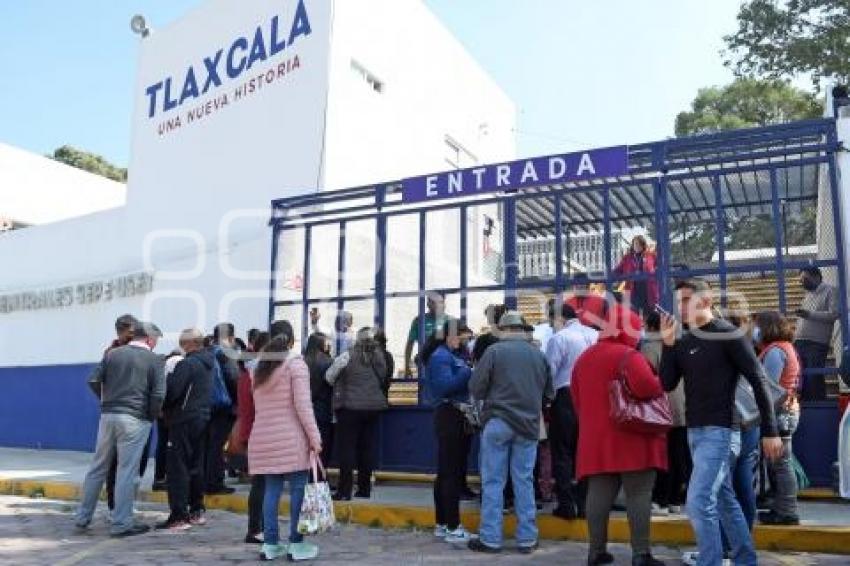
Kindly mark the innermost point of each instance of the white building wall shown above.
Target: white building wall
(37, 190)
(183, 183)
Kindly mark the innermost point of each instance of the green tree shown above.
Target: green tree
(788, 38)
(746, 103)
(89, 162)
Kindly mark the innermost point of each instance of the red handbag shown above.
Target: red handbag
(648, 416)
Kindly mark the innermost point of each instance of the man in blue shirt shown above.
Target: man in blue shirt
(562, 350)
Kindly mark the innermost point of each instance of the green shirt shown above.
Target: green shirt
(431, 323)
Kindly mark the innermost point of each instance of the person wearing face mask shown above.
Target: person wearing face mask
(817, 315)
(446, 378)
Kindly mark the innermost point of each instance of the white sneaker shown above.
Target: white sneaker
(691, 558)
(459, 536)
(660, 511)
(440, 531)
(273, 551)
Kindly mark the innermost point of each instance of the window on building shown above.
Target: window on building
(368, 77)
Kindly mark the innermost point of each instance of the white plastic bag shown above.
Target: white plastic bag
(317, 509)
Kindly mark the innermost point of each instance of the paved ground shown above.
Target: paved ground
(38, 532)
(54, 465)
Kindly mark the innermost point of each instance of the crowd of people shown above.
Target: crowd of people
(540, 398)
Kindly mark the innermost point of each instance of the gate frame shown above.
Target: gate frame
(663, 160)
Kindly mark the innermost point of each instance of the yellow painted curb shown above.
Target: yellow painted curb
(669, 531)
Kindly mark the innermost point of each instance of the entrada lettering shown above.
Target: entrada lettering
(242, 54)
(565, 168)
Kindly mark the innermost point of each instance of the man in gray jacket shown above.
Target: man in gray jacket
(511, 379)
(817, 315)
(130, 383)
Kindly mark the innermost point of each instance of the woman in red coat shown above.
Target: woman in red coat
(640, 260)
(608, 455)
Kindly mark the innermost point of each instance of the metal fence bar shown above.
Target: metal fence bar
(777, 234)
(340, 284)
(305, 286)
(559, 245)
(720, 226)
(463, 260)
(420, 306)
(509, 237)
(839, 249)
(273, 274)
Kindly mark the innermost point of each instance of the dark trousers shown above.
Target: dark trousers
(449, 428)
(670, 486)
(563, 441)
(464, 464)
(255, 504)
(326, 430)
(355, 437)
(113, 471)
(812, 356)
(218, 430)
(161, 457)
(600, 498)
(186, 468)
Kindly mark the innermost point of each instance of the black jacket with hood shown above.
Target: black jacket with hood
(189, 389)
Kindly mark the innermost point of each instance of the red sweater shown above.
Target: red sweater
(604, 447)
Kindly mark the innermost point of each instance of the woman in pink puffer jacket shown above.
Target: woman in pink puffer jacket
(282, 438)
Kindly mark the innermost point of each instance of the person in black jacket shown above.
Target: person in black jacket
(711, 357)
(223, 414)
(187, 412)
(318, 359)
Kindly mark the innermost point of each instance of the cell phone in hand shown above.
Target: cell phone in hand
(661, 311)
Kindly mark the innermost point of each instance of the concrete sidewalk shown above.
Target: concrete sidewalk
(58, 474)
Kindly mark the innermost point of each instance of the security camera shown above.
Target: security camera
(139, 26)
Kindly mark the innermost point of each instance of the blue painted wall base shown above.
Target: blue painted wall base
(52, 408)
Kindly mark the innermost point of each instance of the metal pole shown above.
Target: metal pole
(510, 252)
(838, 228)
(559, 247)
(305, 290)
(606, 236)
(273, 274)
(423, 232)
(463, 260)
(720, 227)
(340, 283)
(778, 236)
(381, 260)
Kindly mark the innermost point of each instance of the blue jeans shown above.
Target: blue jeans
(711, 499)
(124, 436)
(271, 501)
(502, 447)
(743, 473)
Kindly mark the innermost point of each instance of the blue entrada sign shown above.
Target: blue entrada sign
(564, 168)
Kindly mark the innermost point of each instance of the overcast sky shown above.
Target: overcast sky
(582, 74)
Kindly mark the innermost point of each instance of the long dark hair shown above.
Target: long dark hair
(270, 358)
(435, 340)
(315, 346)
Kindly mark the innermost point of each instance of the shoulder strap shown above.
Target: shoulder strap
(621, 366)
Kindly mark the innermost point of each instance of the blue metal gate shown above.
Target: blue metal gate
(744, 209)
